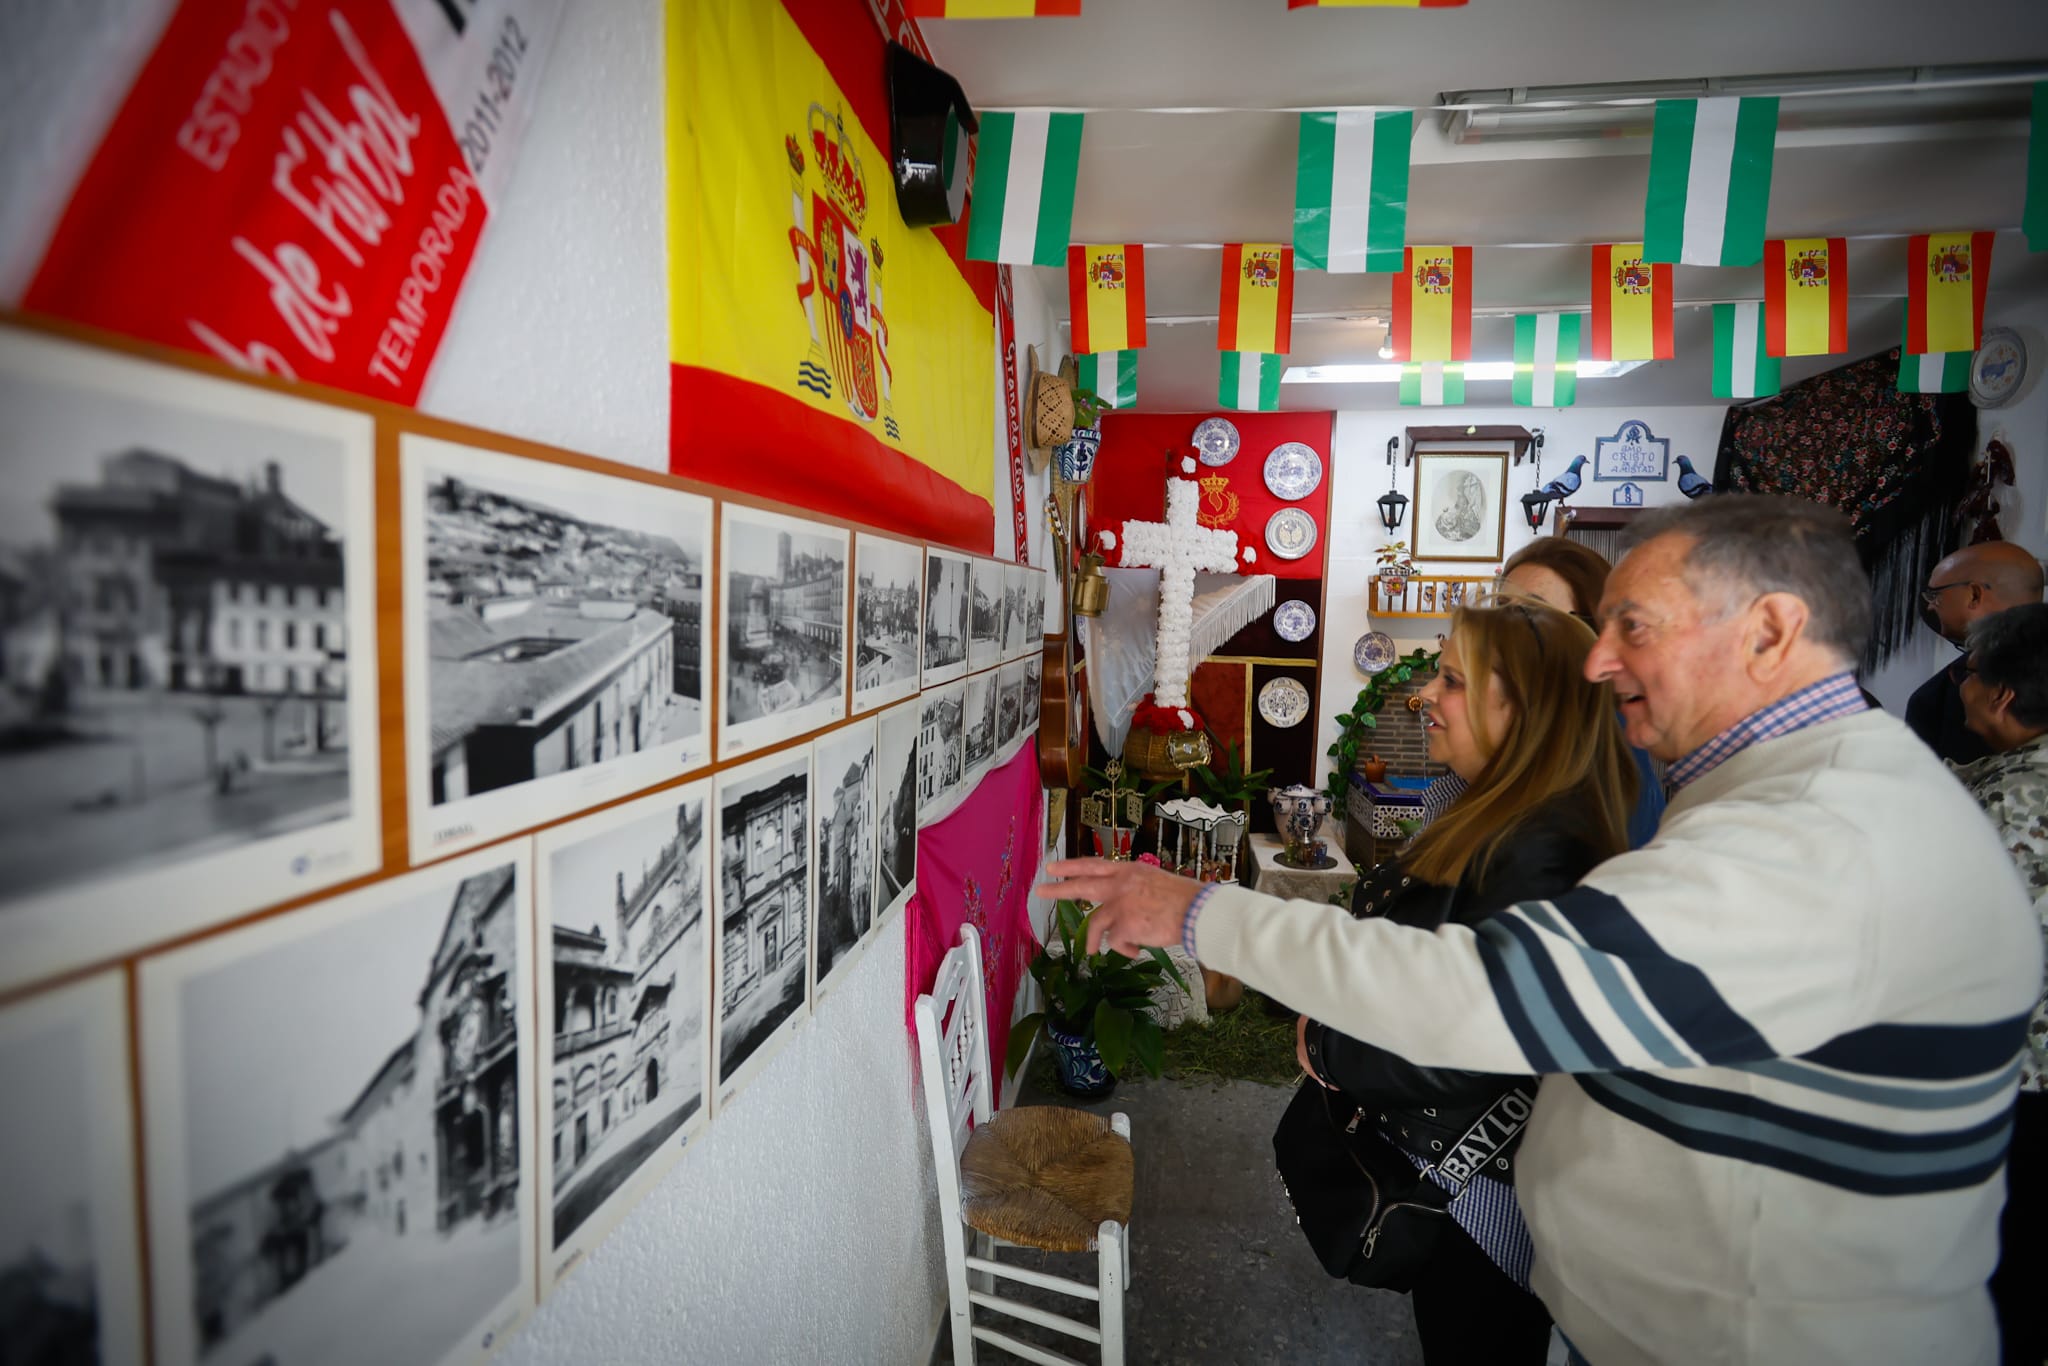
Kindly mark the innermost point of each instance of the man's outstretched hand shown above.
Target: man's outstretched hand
(1137, 906)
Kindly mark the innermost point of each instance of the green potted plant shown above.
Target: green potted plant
(1074, 457)
(1364, 716)
(1098, 1009)
(1232, 787)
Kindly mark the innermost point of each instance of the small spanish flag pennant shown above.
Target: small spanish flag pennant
(1106, 296)
(993, 9)
(1432, 300)
(1631, 305)
(1375, 4)
(1806, 296)
(1256, 312)
(1946, 275)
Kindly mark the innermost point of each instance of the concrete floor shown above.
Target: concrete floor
(1219, 1272)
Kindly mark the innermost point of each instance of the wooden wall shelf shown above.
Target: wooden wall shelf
(1430, 595)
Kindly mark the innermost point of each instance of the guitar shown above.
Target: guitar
(1062, 691)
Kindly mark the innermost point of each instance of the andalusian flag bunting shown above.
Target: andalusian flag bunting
(1938, 372)
(992, 9)
(1250, 382)
(1351, 189)
(1256, 312)
(1806, 296)
(1742, 367)
(1546, 359)
(1106, 296)
(1432, 384)
(1710, 181)
(1111, 376)
(1375, 4)
(1946, 273)
(2034, 218)
(1023, 207)
(1433, 305)
(1631, 306)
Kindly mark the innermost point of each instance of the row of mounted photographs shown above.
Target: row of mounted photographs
(423, 1081)
(189, 700)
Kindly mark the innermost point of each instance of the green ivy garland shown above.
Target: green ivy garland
(1363, 716)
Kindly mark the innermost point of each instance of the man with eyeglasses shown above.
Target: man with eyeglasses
(1973, 583)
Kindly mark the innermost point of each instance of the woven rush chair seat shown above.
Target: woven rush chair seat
(1045, 1176)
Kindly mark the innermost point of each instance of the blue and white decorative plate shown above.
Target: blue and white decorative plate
(1374, 652)
(1294, 620)
(1293, 470)
(1283, 702)
(1290, 533)
(1216, 441)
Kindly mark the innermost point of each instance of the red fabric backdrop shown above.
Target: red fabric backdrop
(1130, 478)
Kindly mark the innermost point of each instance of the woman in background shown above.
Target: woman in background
(1548, 787)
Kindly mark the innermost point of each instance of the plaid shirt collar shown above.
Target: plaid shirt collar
(1828, 700)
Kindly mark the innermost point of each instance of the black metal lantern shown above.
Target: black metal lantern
(1393, 503)
(1536, 503)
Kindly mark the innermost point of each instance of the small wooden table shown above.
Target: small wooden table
(1275, 878)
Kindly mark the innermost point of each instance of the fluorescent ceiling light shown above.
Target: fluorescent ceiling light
(1476, 369)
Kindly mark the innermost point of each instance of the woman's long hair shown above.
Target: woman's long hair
(1563, 741)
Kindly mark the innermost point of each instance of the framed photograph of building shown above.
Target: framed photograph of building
(985, 615)
(1016, 607)
(896, 751)
(554, 640)
(844, 850)
(188, 663)
(1036, 627)
(888, 617)
(978, 725)
(941, 759)
(946, 576)
(1461, 506)
(338, 1103)
(764, 902)
(1009, 708)
(783, 665)
(1034, 680)
(625, 1044)
(68, 1254)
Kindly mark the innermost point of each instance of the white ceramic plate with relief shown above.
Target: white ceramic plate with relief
(1283, 702)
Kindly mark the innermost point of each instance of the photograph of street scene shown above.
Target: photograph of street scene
(985, 618)
(1034, 682)
(888, 599)
(940, 758)
(785, 627)
(764, 909)
(348, 1094)
(1016, 597)
(564, 622)
(624, 896)
(1009, 706)
(896, 751)
(945, 616)
(176, 663)
(845, 766)
(979, 724)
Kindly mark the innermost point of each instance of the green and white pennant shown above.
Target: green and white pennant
(1250, 381)
(1351, 189)
(1432, 384)
(1710, 181)
(1937, 372)
(1743, 366)
(1547, 359)
(1023, 207)
(1111, 376)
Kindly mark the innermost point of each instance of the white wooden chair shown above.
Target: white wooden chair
(1047, 1177)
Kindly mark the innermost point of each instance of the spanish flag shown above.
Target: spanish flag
(1433, 305)
(1631, 305)
(1946, 273)
(1375, 4)
(1806, 296)
(1106, 296)
(1257, 309)
(992, 9)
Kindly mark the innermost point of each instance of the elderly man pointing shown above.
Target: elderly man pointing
(1779, 1044)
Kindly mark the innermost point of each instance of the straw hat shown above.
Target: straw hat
(1048, 407)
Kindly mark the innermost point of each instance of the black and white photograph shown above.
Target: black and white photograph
(188, 697)
(337, 1107)
(946, 585)
(1009, 707)
(896, 750)
(783, 659)
(844, 763)
(1034, 682)
(888, 612)
(764, 911)
(941, 758)
(1035, 627)
(624, 896)
(1016, 607)
(978, 724)
(70, 1271)
(985, 614)
(1460, 505)
(555, 640)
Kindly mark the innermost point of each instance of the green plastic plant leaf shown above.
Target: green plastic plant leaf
(1166, 965)
(1148, 1046)
(1022, 1034)
(1113, 1036)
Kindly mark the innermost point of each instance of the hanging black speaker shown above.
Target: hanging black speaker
(929, 123)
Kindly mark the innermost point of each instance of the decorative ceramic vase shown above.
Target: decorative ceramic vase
(1078, 1063)
(1074, 458)
(1298, 812)
(1375, 769)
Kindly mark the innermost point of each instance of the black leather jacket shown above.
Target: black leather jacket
(1420, 1108)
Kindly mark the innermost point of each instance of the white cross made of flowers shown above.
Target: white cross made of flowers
(1178, 548)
